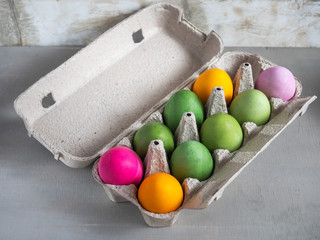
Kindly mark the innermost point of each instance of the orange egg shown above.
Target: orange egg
(211, 78)
(160, 193)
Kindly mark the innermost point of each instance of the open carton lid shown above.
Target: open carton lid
(78, 110)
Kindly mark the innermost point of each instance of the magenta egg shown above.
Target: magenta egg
(120, 166)
(276, 82)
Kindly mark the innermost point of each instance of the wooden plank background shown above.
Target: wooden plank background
(273, 23)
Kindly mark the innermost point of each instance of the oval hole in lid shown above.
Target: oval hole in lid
(137, 36)
(48, 101)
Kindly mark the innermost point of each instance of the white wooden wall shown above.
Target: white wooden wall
(294, 23)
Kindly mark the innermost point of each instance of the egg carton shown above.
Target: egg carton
(227, 165)
(103, 94)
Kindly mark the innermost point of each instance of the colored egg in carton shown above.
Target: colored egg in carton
(199, 194)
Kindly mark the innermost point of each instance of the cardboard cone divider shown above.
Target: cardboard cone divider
(216, 102)
(243, 79)
(117, 103)
(187, 129)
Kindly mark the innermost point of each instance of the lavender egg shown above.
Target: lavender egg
(276, 82)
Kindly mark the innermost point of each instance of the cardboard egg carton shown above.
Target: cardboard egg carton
(200, 194)
(103, 94)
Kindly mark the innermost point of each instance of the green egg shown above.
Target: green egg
(149, 132)
(191, 159)
(221, 131)
(251, 106)
(179, 103)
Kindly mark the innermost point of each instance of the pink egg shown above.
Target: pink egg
(276, 82)
(120, 166)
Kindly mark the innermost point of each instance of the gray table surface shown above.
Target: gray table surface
(276, 197)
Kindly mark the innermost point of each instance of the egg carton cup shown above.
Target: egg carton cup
(102, 95)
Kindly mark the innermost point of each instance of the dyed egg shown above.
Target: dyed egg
(152, 131)
(160, 193)
(210, 79)
(191, 159)
(251, 106)
(221, 131)
(276, 82)
(179, 103)
(120, 166)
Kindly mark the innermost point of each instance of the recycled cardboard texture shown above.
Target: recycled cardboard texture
(101, 90)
